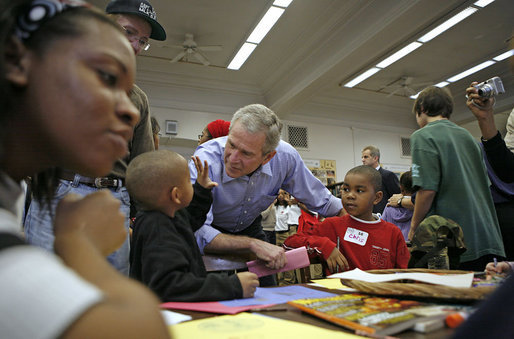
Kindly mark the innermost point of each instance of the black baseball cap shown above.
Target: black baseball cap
(141, 8)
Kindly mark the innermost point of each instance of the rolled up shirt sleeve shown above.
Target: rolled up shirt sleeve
(308, 189)
(206, 233)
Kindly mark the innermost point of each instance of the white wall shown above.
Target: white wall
(190, 125)
(500, 120)
(389, 145)
(331, 143)
(341, 143)
(345, 143)
(194, 108)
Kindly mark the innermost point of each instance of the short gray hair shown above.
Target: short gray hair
(373, 151)
(259, 118)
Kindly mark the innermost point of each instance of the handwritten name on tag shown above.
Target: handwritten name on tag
(356, 236)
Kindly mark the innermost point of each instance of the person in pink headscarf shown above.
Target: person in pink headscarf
(214, 129)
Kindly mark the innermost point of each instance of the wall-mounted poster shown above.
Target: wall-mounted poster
(324, 170)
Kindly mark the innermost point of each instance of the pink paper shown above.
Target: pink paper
(296, 258)
(210, 307)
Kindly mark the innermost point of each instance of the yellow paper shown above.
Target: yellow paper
(251, 326)
(332, 283)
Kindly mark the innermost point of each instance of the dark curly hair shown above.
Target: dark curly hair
(68, 23)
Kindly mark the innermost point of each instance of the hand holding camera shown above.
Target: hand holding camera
(480, 101)
(490, 88)
(482, 94)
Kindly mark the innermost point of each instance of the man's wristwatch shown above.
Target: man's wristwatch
(400, 202)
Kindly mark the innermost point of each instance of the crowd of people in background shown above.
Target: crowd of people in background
(95, 169)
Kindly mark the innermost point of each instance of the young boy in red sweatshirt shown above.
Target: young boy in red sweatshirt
(359, 239)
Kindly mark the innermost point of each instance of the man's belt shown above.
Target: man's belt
(284, 231)
(100, 182)
(288, 228)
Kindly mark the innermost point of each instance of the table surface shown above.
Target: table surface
(287, 312)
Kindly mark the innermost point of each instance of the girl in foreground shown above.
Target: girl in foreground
(66, 71)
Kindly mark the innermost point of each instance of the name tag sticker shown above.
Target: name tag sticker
(356, 236)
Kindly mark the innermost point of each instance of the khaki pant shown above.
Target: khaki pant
(316, 271)
(289, 277)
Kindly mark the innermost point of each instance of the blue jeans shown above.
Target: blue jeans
(39, 230)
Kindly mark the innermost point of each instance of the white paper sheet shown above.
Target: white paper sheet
(172, 318)
(451, 280)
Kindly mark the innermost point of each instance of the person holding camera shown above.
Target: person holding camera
(480, 100)
(448, 168)
(498, 154)
(499, 306)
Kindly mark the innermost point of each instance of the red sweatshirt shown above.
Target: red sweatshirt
(365, 244)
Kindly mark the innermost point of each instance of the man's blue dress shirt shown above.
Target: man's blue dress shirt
(239, 201)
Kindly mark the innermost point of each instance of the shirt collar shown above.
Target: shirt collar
(376, 221)
(226, 178)
(264, 169)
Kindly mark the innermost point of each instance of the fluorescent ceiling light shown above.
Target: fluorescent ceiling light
(483, 3)
(442, 84)
(427, 37)
(241, 56)
(266, 23)
(285, 3)
(471, 71)
(447, 24)
(504, 55)
(398, 55)
(362, 77)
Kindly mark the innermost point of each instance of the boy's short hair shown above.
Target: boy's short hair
(372, 174)
(150, 173)
(434, 101)
(406, 182)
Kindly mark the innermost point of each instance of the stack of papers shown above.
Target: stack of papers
(264, 297)
(172, 318)
(450, 280)
(333, 284)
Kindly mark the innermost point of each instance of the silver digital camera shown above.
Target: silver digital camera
(490, 88)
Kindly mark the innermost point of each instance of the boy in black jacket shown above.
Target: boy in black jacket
(164, 254)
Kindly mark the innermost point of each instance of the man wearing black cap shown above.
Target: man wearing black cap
(139, 20)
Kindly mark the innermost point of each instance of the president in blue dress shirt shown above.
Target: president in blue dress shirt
(250, 165)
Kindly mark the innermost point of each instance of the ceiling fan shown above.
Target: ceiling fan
(404, 86)
(190, 49)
